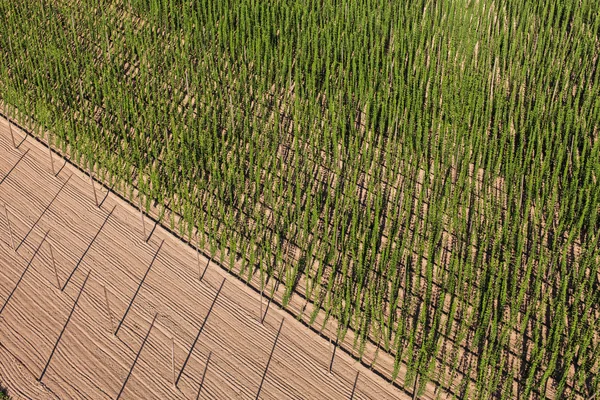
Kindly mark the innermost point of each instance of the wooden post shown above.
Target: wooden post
(51, 158)
(333, 355)
(376, 353)
(93, 187)
(262, 315)
(198, 254)
(12, 238)
(266, 310)
(205, 268)
(262, 290)
(12, 135)
(173, 358)
(53, 264)
(261, 305)
(142, 216)
(110, 316)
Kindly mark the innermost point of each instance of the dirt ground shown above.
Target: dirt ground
(41, 328)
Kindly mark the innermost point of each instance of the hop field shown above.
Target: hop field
(424, 173)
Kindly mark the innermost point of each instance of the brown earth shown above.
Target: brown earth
(88, 361)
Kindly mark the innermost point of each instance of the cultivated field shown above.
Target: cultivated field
(106, 242)
(416, 181)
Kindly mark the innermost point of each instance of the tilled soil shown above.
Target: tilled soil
(106, 242)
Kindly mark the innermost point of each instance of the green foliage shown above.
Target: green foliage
(425, 172)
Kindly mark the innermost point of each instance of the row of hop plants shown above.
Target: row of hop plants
(433, 166)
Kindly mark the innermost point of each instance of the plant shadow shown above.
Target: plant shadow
(3, 393)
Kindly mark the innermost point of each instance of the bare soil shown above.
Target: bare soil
(88, 362)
